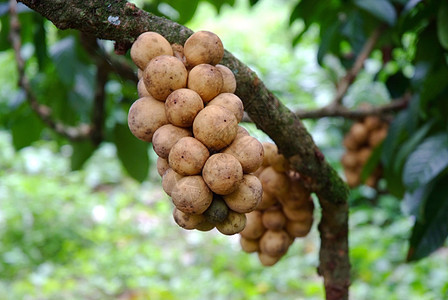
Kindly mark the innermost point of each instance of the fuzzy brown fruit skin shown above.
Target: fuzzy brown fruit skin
(359, 133)
(147, 46)
(162, 166)
(273, 219)
(274, 182)
(187, 221)
(215, 126)
(188, 156)
(182, 106)
(145, 116)
(163, 75)
(233, 224)
(248, 245)
(268, 260)
(241, 132)
(275, 243)
(298, 228)
(228, 79)
(247, 196)
(169, 180)
(267, 200)
(191, 195)
(254, 226)
(230, 101)
(141, 89)
(223, 173)
(249, 152)
(203, 47)
(205, 226)
(206, 80)
(165, 137)
(217, 212)
(270, 150)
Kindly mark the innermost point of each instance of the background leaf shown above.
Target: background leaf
(442, 24)
(82, 151)
(132, 152)
(381, 9)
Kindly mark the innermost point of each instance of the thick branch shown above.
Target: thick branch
(123, 22)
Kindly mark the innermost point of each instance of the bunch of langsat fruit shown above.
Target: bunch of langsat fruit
(285, 212)
(362, 138)
(188, 110)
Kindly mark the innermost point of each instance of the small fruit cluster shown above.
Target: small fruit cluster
(188, 110)
(285, 212)
(363, 137)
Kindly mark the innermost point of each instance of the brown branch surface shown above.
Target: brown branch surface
(123, 22)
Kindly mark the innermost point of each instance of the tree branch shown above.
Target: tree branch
(123, 22)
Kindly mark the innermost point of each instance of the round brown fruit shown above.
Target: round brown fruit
(377, 136)
(228, 79)
(275, 243)
(187, 221)
(230, 101)
(241, 132)
(147, 46)
(141, 89)
(178, 52)
(223, 173)
(364, 155)
(191, 195)
(350, 143)
(215, 126)
(206, 80)
(359, 133)
(267, 200)
(254, 226)
(279, 162)
(217, 211)
(205, 226)
(249, 152)
(145, 116)
(298, 193)
(169, 180)
(268, 260)
(248, 245)
(165, 137)
(203, 47)
(182, 106)
(298, 214)
(162, 166)
(298, 228)
(247, 196)
(274, 182)
(188, 156)
(233, 224)
(273, 218)
(163, 75)
(352, 177)
(350, 159)
(270, 150)
(372, 122)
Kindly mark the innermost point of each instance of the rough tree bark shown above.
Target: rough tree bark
(122, 22)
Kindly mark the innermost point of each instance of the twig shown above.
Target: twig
(348, 79)
(80, 132)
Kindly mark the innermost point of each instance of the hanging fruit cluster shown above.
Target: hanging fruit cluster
(361, 140)
(188, 110)
(284, 213)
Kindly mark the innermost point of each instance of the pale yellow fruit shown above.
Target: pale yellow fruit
(223, 173)
(203, 47)
(249, 152)
(247, 196)
(162, 166)
(163, 75)
(169, 180)
(191, 195)
(206, 80)
(230, 101)
(145, 116)
(182, 106)
(147, 46)
(233, 224)
(229, 81)
(188, 156)
(248, 245)
(215, 126)
(141, 89)
(165, 137)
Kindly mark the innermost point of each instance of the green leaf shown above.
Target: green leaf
(442, 24)
(409, 146)
(186, 9)
(82, 151)
(40, 41)
(63, 54)
(372, 163)
(381, 9)
(329, 40)
(26, 130)
(430, 231)
(426, 162)
(132, 152)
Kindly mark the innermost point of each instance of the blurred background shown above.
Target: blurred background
(82, 221)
